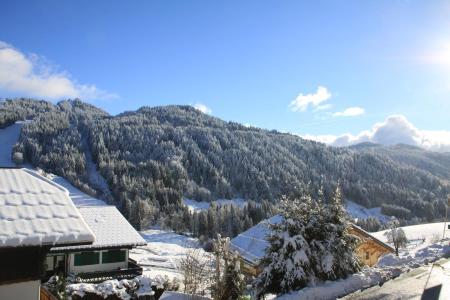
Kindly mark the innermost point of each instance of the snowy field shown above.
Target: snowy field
(196, 206)
(162, 254)
(431, 232)
(357, 211)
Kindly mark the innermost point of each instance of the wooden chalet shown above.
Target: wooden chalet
(251, 246)
(370, 248)
(35, 215)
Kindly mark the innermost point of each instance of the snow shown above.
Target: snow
(196, 206)
(8, 137)
(34, 211)
(357, 211)
(78, 197)
(140, 286)
(181, 296)
(388, 267)
(110, 228)
(431, 232)
(163, 252)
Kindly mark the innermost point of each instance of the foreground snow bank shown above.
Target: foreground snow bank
(387, 268)
(123, 289)
(181, 296)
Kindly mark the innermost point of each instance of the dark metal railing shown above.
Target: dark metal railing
(132, 271)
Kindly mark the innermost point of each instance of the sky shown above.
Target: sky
(341, 72)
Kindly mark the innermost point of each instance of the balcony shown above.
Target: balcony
(132, 271)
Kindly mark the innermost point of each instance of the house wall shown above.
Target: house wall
(369, 252)
(96, 267)
(28, 290)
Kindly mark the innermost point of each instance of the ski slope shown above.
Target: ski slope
(8, 137)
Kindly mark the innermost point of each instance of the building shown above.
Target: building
(252, 244)
(370, 248)
(35, 215)
(106, 258)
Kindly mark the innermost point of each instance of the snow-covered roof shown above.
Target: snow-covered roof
(251, 244)
(110, 228)
(36, 212)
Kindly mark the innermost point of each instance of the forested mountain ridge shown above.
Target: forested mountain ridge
(154, 156)
(434, 162)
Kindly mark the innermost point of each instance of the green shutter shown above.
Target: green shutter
(113, 256)
(87, 258)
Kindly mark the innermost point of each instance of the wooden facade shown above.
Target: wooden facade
(370, 248)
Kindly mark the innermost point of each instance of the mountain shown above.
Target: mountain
(151, 158)
(436, 163)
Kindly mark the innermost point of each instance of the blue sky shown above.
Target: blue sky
(349, 64)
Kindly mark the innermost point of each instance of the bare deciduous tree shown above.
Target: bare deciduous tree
(196, 269)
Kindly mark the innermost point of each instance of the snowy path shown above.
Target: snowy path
(427, 282)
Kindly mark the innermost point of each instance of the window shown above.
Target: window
(367, 255)
(87, 258)
(113, 256)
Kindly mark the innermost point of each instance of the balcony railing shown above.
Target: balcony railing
(132, 271)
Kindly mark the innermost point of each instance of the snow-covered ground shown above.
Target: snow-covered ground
(387, 268)
(357, 211)
(430, 281)
(162, 254)
(181, 296)
(431, 232)
(196, 206)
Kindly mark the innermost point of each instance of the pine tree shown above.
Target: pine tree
(233, 281)
(338, 259)
(287, 264)
(311, 244)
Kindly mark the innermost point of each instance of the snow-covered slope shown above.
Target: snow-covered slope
(357, 211)
(8, 137)
(162, 254)
(429, 232)
(196, 206)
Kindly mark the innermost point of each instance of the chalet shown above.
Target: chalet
(106, 258)
(251, 245)
(35, 215)
(370, 248)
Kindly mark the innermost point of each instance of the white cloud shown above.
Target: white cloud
(350, 112)
(203, 108)
(302, 102)
(396, 129)
(31, 75)
(323, 107)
